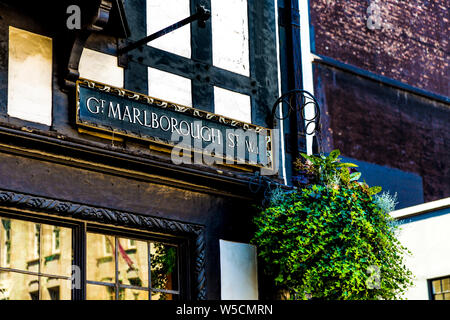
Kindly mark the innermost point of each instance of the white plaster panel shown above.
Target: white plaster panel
(232, 104)
(163, 13)
(169, 87)
(229, 23)
(238, 271)
(100, 67)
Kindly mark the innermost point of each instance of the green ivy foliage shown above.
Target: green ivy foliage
(329, 239)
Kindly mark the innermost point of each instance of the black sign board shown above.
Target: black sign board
(138, 116)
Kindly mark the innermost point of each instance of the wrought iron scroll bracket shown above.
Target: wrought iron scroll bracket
(298, 101)
(294, 101)
(289, 102)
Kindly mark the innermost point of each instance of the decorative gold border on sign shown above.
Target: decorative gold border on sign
(162, 104)
(100, 135)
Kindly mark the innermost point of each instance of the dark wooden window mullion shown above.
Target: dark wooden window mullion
(79, 260)
(39, 257)
(149, 285)
(116, 266)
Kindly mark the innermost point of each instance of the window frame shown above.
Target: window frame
(182, 266)
(431, 295)
(188, 246)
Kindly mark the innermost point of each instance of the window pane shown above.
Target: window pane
(18, 286)
(30, 51)
(164, 269)
(162, 296)
(20, 245)
(97, 292)
(439, 297)
(229, 23)
(133, 262)
(436, 286)
(446, 296)
(55, 289)
(100, 257)
(132, 294)
(56, 249)
(446, 285)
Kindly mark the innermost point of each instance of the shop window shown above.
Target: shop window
(162, 13)
(170, 87)
(125, 268)
(440, 288)
(100, 67)
(230, 45)
(224, 99)
(31, 271)
(30, 93)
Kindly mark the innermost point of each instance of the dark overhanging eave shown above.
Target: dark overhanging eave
(118, 23)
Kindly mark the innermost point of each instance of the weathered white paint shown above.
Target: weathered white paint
(163, 13)
(100, 67)
(30, 76)
(307, 73)
(427, 236)
(170, 87)
(229, 23)
(238, 271)
(232, 104)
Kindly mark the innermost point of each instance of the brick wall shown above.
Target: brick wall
(409, 44)
(373, 122)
